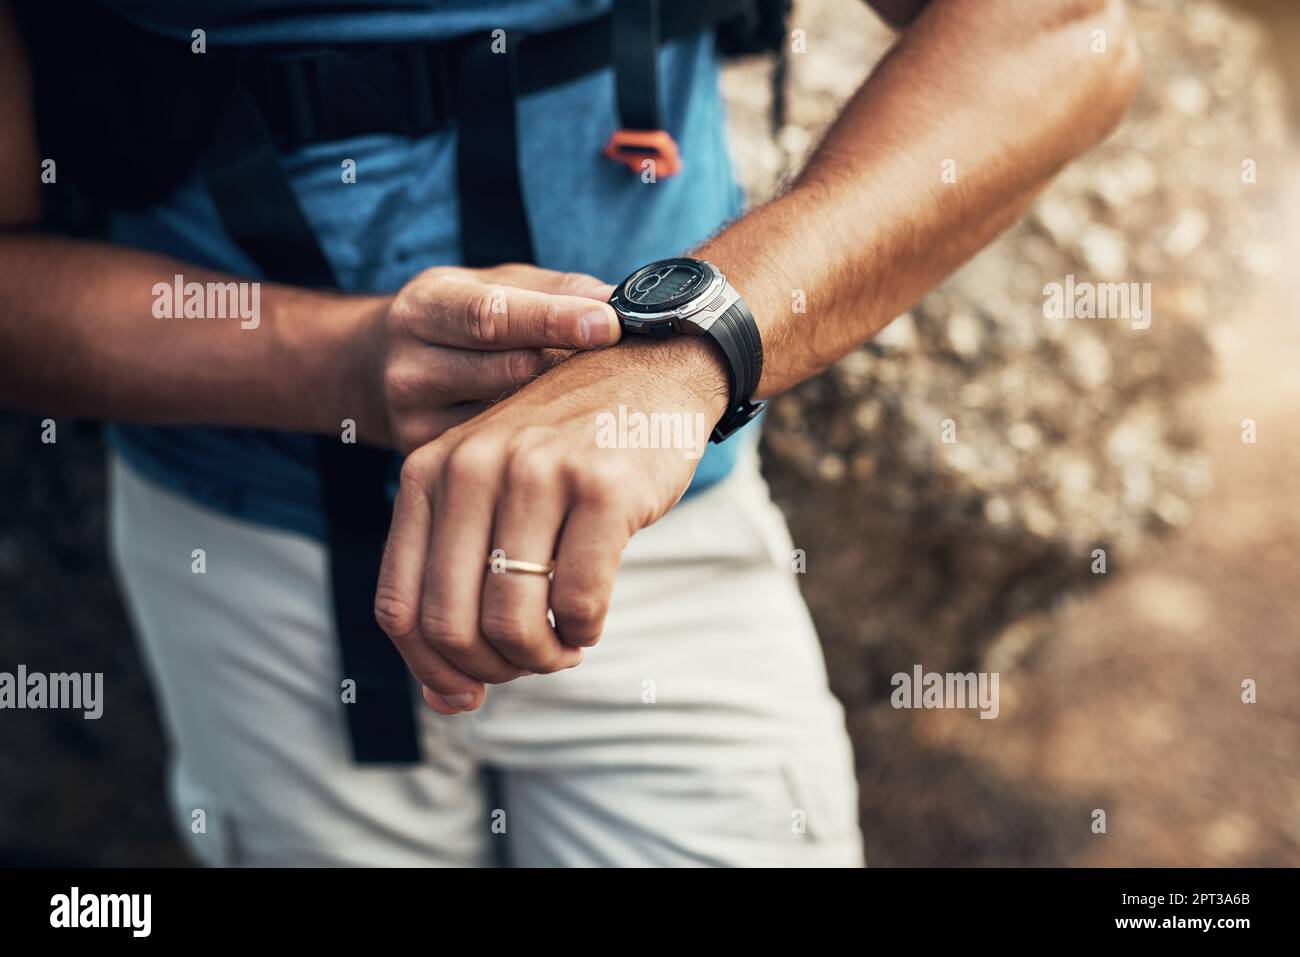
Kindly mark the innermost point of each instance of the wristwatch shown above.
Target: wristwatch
(692, 297)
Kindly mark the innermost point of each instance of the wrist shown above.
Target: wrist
(695, 365)
(716, 348)
(329, 347)
(772, 260)
(681, 370)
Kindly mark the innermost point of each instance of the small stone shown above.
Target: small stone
(1189, 96)
(867, 416)
(1125, 181)
(1262, 259)
(1024, 436)
(997, 511)
(961, 458)
(864, 467)
(830, 468)
(1057, 219)
(964, 334)
(1104, 251)
(1089, 360)
(1138, 485)
(1039, 520)
(975, 394)
(1187, 233)
(899, 335)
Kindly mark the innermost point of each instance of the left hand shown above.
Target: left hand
(530, 477)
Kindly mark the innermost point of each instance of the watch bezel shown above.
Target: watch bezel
(679, 309)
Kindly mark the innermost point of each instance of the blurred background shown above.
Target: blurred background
(1119, 691)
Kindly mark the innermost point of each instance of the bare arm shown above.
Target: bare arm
(79, 333)
(79, 336)
(1009, 90)
(81, 339)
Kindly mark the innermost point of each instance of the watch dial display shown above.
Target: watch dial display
(664, 282)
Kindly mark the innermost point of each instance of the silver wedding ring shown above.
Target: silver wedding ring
(501, 564)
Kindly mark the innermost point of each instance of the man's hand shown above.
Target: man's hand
(529, 477)
(453, 340)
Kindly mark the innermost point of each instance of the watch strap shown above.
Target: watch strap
(736, 334)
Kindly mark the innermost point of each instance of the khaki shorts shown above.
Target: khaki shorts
(700, 731)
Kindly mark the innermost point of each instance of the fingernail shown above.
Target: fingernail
(597, 329)
(461, 701)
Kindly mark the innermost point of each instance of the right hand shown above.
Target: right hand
(453, 340)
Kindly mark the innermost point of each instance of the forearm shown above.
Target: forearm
(1009, 91)
(81, 338)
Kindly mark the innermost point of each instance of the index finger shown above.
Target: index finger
(528, 276)
(468, 314)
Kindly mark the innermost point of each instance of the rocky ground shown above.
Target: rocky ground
(1119, 692)
(1073, 436)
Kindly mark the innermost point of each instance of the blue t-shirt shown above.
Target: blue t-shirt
(400, 215)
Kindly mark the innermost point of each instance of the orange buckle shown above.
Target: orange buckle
(633, 147)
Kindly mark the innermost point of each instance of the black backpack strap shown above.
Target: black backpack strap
(493, 217)
(635, 27)
(258, 208)
(256, 203)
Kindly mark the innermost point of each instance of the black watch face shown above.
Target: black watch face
(665, 285)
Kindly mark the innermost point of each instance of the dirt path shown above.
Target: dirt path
(1135, 704)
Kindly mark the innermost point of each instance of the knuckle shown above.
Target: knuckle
(420, 466)
(506, 630)
(471, 462)
(400, 312)
(550, 319)
(600, 480)
(437, 275)
(443, 634)
(395, 615)
(413, 471)
(572, 282)
(486, 316)
(579, 609)
(411, 433)
(403, 382)
(422, 295)
(522, 365)
(534, 439)
(536, 468)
